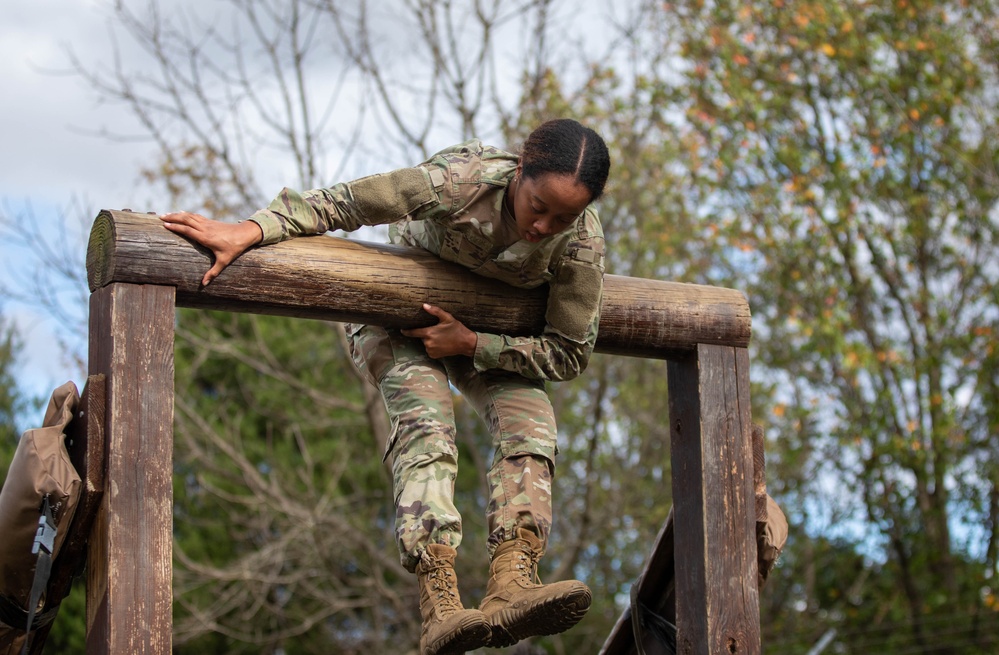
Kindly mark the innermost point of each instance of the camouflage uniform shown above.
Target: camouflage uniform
(453, 206)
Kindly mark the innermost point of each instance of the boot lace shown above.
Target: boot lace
(443, 583)
(527, 564)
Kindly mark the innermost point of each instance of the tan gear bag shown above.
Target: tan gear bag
(37, 503)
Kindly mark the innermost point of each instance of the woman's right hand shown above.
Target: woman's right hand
(227, 241)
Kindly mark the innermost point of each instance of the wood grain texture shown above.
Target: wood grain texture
(717, 600)
(343, 280)
(139, 271)
(701, 573)
(129, 565)
(760, 472)
(655, 587)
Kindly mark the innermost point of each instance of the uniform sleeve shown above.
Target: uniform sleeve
(563, 349)
(548, 357)
(372, 200)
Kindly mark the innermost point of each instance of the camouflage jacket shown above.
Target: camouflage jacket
(452, 205)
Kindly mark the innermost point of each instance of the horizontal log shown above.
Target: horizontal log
(336, 279)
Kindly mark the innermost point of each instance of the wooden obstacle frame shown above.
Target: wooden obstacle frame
(139, 273)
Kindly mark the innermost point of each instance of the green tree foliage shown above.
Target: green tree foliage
(11, 400)
(836, 161)
(282, 507)
(850, 151)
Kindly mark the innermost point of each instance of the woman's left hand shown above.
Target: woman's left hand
(448, 337)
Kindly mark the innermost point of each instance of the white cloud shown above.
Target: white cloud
(50, 122)
(50, 117)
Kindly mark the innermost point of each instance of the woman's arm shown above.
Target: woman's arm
(550, 356)
(372, 200)
(227, 241)
(448, 337)
(562, 351)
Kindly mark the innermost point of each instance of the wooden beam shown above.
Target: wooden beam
(343, 280)
(129, 565)
(702, 330)
(717, 600)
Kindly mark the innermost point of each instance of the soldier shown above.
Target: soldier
(526, 221)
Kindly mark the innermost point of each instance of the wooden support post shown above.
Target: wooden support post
(717, 601)
(129, 566)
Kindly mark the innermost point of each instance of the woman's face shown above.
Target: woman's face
(547, 204)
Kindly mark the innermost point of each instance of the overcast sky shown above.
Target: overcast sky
(46, 116)
(58, 171)
(52, 156)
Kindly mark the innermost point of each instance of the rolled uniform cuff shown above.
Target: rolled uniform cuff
(270, 226)
(487, 351)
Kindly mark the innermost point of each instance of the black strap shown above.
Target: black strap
(43, 547)
(14, 617)
(661, 630)
(646, 622)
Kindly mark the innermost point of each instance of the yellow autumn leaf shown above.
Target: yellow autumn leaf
(828, 49)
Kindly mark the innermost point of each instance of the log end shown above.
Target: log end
(100, 251)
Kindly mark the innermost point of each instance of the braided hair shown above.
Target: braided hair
(564, 146)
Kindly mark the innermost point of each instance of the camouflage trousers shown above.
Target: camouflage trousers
(417, 394)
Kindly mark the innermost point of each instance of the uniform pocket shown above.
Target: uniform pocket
(462, 244)
(524, 416)
(370, 350)
(390, 442)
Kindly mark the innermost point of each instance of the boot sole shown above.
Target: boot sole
(550, 617)
(470, 634)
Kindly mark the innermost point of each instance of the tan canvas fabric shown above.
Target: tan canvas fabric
(771, 535)
(41, 466)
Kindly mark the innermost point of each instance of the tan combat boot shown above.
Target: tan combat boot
(448, 628)
(519, 607)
